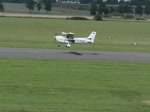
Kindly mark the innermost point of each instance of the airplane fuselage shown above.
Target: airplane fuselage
(68, 39)
(62, 39)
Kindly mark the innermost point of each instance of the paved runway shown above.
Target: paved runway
(73, 54)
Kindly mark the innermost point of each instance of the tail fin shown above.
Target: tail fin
(92, 36)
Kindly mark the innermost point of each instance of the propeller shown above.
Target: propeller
(55, 36)
(56, 40)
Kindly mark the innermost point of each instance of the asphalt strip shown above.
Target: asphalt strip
(73, 54)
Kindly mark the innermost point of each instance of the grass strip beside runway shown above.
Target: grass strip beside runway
(39, 33)
(38, 85)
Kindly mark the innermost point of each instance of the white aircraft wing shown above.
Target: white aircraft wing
(64, 33)
(68, 34)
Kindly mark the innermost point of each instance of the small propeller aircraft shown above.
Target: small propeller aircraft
(69, 38)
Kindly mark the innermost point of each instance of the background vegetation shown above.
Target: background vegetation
(138, 7)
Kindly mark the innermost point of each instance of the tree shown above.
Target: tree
(142, 2)
(14, 1)
(139, 9)
(124, 9)
(111, 9)
(38, 5)
(98, 1)
(48, 5)
(112, 2)
(98, 17)
(147, 8)
(128, 9)
(120, 9)
(93, 8)
(103, 9)
(1, 7)
(85, 1)
(30, 5)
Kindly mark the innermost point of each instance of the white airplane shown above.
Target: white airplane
(68, 38)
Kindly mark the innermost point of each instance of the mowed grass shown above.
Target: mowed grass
(38, 85)
(39, 33)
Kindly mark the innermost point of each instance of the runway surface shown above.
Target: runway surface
(73, 54)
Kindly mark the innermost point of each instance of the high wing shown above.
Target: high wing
(69, 35)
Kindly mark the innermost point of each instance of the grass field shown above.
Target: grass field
(39, 33)
(38, 85)
(32, 85)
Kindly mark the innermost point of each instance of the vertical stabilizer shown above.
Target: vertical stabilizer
(92, 36)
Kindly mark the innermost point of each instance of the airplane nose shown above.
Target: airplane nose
(55, 35)
(56, 38)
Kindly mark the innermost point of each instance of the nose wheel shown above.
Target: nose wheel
(59, 44)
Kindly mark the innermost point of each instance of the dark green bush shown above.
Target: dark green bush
(128, 16)
(81, 8)
(140, 18)
(116, 14)
(78, 18)
(98, 17)
(107, 16)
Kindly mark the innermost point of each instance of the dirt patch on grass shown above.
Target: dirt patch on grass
(146, 102)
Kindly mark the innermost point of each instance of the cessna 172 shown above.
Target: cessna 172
(68, 38)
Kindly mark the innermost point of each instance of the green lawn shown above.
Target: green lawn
(39, 33)
(38, 85)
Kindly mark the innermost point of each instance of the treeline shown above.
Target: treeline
(22, 1)
(14, 1)
(139, 7)
(31, 4)
(132, 2)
